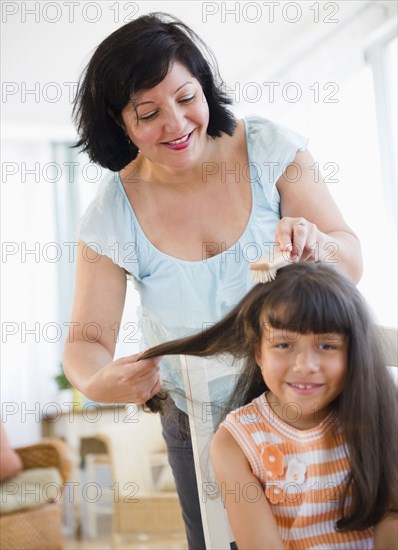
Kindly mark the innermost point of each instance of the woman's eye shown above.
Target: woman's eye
(187, 99)
(150, 116)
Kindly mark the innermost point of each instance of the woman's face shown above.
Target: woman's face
(168, 123)
(304, 373)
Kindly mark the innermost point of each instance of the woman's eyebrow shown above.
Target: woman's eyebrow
(146, 102)
(182, 85)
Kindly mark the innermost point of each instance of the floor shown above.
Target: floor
(81, 517)
(102, 544)
(104, 541)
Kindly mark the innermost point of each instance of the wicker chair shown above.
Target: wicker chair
(39, 527)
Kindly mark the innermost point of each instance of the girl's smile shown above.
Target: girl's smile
(301, 388)
(302, 371)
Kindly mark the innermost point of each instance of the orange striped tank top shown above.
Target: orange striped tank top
(302, 472)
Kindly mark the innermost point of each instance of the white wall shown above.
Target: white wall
(245, 36)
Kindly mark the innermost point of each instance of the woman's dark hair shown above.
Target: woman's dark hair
(134, 58)
(314, 297)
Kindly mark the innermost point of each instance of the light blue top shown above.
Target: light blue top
(180, 297)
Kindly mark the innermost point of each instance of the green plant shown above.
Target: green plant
(61, 380)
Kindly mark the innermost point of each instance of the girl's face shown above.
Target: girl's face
(168, 123)
(304, 373)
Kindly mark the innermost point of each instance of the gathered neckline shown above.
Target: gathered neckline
(307, 435)
(216, 256)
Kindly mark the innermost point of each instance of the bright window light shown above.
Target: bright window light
(346, 145)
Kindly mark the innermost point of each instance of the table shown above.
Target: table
(74, 425)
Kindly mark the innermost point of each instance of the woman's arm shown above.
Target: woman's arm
(249, 512)
(386, 533)
(312, 221)
(100, 291)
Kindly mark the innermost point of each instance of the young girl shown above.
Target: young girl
(308, 457)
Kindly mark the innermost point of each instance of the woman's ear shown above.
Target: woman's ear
(116, 119)
(119, 121)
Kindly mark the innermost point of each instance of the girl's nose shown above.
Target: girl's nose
(306, 362)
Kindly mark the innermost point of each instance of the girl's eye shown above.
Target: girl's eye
(327, 346)
(283, 345)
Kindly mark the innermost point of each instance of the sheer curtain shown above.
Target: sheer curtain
(31, 327)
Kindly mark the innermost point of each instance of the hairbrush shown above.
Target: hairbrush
(264, 271)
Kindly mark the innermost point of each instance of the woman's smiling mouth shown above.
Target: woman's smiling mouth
(180, 143)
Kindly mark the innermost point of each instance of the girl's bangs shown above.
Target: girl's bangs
(308, 307)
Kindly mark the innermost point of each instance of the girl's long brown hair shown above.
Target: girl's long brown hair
(311, 297)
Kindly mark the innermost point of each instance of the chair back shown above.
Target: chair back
(131, 442)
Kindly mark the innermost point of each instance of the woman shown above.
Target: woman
(197, 196)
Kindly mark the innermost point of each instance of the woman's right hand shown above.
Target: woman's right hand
(100, 293)
(126, 380)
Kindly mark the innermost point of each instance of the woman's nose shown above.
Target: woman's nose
(174, 121)
(306, 362)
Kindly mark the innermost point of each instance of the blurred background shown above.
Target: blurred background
(325, 69)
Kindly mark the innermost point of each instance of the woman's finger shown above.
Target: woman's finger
(156, 388)
(142, 366)
(283, 233)
(299, 239)
(291, 234)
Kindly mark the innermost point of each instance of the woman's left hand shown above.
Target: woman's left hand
(327, 237)
(302, 239)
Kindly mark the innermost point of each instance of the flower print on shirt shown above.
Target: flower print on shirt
(296, 471)
(273, 461)
(275, 494)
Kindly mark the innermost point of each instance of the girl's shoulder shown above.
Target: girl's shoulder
(250, 413)
(259, 416)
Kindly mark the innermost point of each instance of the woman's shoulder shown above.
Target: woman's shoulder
(108, 203)
(107, 224)
(109, 186)
(265, 131)
(271, 146)
(260, 137)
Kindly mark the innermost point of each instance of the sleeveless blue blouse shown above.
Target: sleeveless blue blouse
(180, 297)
